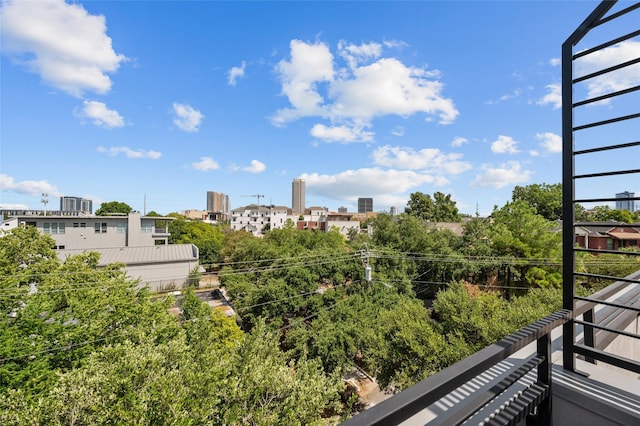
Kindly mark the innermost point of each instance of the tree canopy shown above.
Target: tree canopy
(440, 208)
(113, 207)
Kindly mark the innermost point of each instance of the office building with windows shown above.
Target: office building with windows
(298, 195)
(625, 201)
(76, 204)
(218, 206)
(365, 205)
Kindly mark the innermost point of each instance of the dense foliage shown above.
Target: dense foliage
(84, 345)
(113, 207)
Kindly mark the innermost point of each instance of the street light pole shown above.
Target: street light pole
(45, 200)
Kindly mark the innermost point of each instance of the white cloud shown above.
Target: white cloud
(458, 141)
(553, 97)
(429, 160)
(12, 206)
(369, 86)
(186, 117)
(343, 134)
(101, 115)
(398, 131)
(514, 94)
(551, 142)
(129, 153)
(61, 42)
(205, 164)
(373, 182)
(554, 62)
(510, 173)
(616, 80)
(29, 187)
(310, 64)
(504, 145)
(235, 73)
(357, 54)
(255, 167)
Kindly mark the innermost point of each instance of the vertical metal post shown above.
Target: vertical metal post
(589, 334)
(568, 212)
(544, 376)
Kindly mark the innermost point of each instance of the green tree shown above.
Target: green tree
(113, 207)
(607, 214)
(440, 208)
(74, 309)
(26, 257)
(522, 234)
(545, 198)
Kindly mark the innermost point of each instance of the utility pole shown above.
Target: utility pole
(45, 200)
(367, 266)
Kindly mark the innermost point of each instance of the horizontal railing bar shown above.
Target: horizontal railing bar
(607, 96)
(617, 14)
(471, 405)
(606, 44)
(610, 121)
(607, 148)
(609, 224)
(606, 277)
(607, 70)
(408, 402)
(602, 302)
(624, 253)
(516, 410)
(615, 360)
(610, 330)
(603, 174)
(605, 293)
(588, 200)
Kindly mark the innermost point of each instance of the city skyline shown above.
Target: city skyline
(358, 99)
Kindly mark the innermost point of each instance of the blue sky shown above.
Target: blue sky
(168, 100)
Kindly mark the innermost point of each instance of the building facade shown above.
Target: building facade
(139, 242)
(365, 205)
(76, 204)
(298, 192)
(624, 203)
(259, 219)
(218, 205)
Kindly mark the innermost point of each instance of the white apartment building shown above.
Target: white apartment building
(259, 219)
(139, 242)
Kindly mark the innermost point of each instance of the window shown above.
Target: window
(79, 225)
(100, 227)
(53, 228)
(122, 227)
(147, 227)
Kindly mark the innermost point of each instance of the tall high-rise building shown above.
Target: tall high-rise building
(342, 209)
(365, 205)
(298, 195)
(76, 204)
(624, 203)
(217, 202)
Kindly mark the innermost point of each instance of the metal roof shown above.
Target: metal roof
(139, 255)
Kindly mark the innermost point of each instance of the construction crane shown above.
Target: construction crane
(258, 196)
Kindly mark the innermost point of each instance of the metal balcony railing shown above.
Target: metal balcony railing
(593, 142)
(616, 148)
